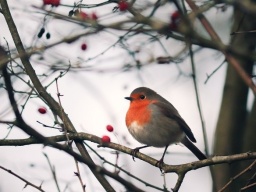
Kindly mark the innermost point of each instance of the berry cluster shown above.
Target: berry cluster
(105, 138)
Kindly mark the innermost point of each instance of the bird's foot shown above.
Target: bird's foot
(160, 164)
(134, 151)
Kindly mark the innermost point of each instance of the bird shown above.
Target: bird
(154, 121)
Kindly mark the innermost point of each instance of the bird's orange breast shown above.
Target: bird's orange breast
(138, 112)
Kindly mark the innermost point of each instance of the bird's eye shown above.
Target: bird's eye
(142, 96)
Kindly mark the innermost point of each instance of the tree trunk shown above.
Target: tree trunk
(231, 133)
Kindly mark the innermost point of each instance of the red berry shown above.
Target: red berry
(175, 16)
(105, 139)
(123, 5)
(110, 128)
(84, 46)
(175, 19)
(42, 110)
(47, 2)
(55, 3)
(94, 16)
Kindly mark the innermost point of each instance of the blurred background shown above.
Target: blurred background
(94, 73)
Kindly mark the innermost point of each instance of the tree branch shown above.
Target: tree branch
(21, 178)
(238, 175)
(42, 92)
(167, 168)
(246, 78)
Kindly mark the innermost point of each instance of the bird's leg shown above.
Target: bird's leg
(161, 161)
(134, 151)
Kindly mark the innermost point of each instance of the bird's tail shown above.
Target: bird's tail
(193, 149)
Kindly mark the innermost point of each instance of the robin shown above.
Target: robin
(154, 121)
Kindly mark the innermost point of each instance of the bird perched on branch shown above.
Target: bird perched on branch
(154, 121)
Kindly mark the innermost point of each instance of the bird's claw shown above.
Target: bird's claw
(134, 151)
(160, 164)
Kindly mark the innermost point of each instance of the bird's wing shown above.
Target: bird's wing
(169, 111)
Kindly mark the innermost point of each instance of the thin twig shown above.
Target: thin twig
(53, 171)
(21, 178)
(59, 128)
(198, 101)
(251, 179)
(214, 36)
(238, 175)
(50, 101)
(62, 110)
(248, 187)
(200, 108)
(79, 175)
(214, 71)
(123, 170)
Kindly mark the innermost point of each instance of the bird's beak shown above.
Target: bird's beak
(129, 98)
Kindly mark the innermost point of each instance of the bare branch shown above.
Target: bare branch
(21, 178)
(167, 168)
(238, 175)
(53, 171)
(246, 78)
(42, 92)
(79, 176)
